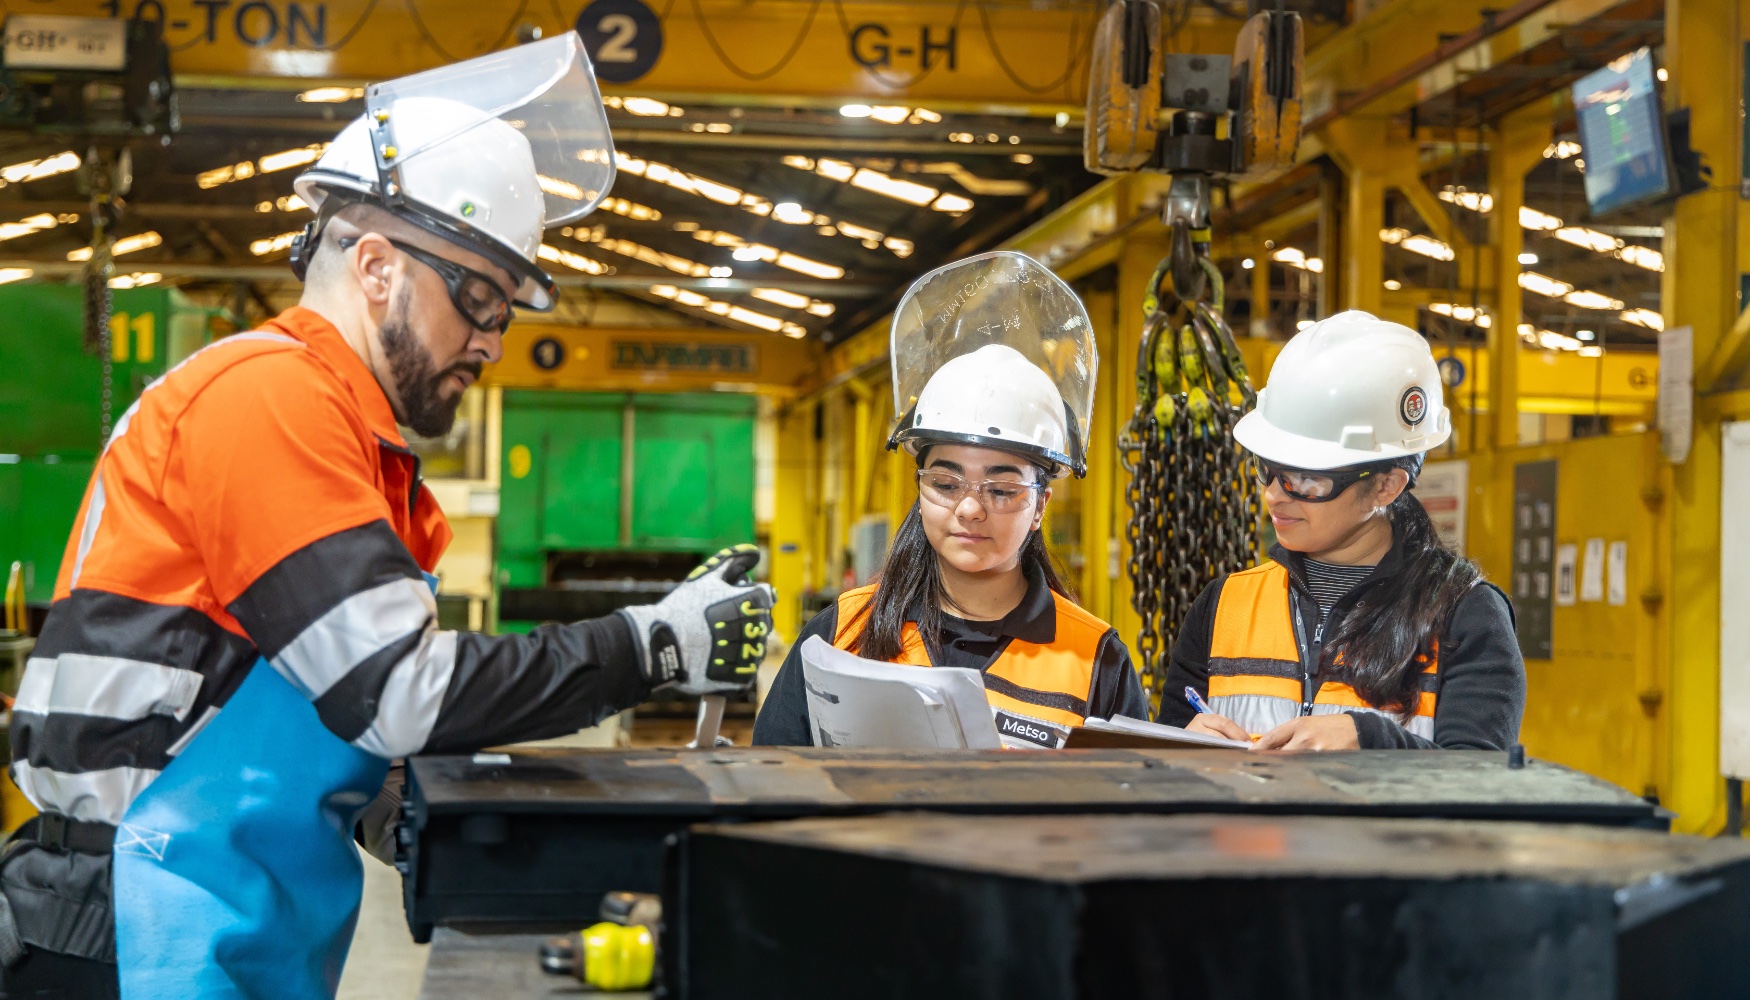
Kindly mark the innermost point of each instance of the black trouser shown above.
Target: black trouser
(48, 975)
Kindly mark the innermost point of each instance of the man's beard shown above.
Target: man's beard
(418, 383)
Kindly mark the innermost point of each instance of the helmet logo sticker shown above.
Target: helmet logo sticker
(1413, 406)
(996, 430)
(468, 210)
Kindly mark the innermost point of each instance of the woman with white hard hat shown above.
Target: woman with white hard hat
(1361, 630)
(993, 375)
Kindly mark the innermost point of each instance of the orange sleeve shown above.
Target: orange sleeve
(270, 457)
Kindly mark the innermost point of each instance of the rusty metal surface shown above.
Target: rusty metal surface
(1096, 848)
(806, 780)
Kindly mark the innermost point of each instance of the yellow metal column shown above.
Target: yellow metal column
(1102, 488)
(1260, 326)
(1703, 52)
(1514, 149)
(791, 517)
(1361, 149)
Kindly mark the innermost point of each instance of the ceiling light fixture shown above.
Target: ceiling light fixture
(1476, 201)
(331, 95)
(1248, 263)
(1586, 334)
(1589, 239)
(138, 279)
(1592, 300)
(856, 111)
(1528, 258)
(792, 300)
(11, 274)
(283, 160)
(1543, 284)
(26, 226)
(1644, 318)
(127, 244)
(36, 170)
(1531, 218)
(273, 244)
(740, 314)
(1393, 285)
(575, 261)
(1640, 256)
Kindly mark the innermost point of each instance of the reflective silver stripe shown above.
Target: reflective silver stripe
(182, 742)
(353, 630)
(411, 698)
(91, 795)
(93, 518)
(1255, 713)
(107, 686)
(1421, 725)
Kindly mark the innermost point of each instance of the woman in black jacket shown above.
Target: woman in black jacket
(1361, 630)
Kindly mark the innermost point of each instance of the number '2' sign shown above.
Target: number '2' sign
(623, 37)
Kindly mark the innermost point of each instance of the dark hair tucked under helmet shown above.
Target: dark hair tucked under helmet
(912, 578)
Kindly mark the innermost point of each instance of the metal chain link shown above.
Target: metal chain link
(1192, 492)
(98, 302)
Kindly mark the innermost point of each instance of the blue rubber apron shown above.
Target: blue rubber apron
(236, 874)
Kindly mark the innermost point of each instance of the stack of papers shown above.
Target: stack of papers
(854, 702)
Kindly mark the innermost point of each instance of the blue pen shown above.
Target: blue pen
(1197, 701)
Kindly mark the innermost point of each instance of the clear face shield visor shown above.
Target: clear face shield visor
(546, 91)
(1003, 298)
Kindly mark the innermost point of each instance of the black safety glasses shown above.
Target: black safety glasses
(1311, 486)
(476, 296)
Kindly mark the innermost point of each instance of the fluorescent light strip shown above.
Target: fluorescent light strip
(740, 314)
(138, 279)
(1644, 318)
(28, 225)
(36, 170)
(284, 203)
(1294, 257)
(791, 300)
(724, 194)
(899, 189)
(11, 274)
(331, 95)
(745, 251)
(273, 244)
(1464, 314)
(644, 107)
(575, 261)
(127, 244)
(283, 160)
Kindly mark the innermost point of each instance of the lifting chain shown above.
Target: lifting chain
(1192, 493)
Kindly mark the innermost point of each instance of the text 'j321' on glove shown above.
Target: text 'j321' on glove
(708, 636)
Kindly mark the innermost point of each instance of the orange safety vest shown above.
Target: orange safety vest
(1037, 693)
(1256, 677)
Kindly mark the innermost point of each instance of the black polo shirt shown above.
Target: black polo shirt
(783, 719)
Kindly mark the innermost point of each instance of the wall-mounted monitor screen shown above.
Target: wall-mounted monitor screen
(1622, 133)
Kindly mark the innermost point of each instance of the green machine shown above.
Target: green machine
(51, 406)
(606, 499)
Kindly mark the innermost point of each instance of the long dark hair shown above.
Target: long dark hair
(1376, 645)
(912, 577)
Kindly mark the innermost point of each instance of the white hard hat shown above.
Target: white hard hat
(486, 153)
(1348, 390)
(992, 398)
(995, 350)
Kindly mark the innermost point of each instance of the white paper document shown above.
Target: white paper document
(1592, 571)
(853, 702)
(1156, 731)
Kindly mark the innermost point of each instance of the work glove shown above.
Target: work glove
(709, 634)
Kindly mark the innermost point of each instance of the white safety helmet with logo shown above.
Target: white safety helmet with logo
(486, 153)
(1348, 390)
(995, 351)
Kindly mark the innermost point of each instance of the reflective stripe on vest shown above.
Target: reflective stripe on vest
(1255, 674)
(1037, 693)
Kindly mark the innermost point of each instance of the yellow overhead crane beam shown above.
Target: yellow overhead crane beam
(972, 55)
(649, 359)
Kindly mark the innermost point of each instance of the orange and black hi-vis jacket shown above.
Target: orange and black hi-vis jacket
(258, 503)
(1038, 692)
(1253, 643)
(1256, 676)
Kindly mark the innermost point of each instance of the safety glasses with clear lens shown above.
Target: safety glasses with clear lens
(1308, 485)
(999, 496)
(476, 296)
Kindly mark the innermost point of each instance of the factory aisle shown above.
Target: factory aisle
(384, 963)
